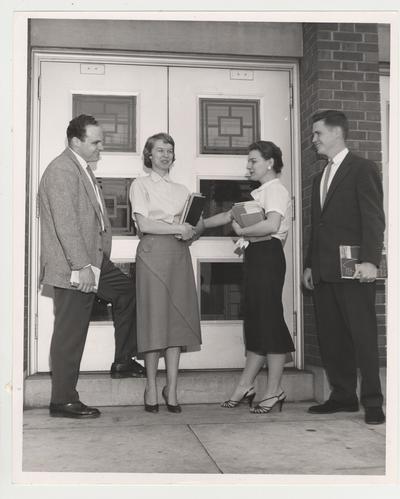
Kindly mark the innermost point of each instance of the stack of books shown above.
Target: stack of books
(193, 209)
(248, 213)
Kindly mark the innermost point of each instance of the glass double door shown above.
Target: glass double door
(212, 114)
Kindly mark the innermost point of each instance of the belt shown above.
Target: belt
(257, 239)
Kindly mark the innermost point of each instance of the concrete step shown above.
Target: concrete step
(194, 387)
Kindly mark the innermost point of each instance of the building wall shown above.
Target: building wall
(339, 70)
(384, 43)
(222, 38)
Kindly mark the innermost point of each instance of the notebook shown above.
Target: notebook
(193, 209)
(349, 260)
(75, 277)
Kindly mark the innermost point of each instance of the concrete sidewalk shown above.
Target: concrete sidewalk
(204, 438)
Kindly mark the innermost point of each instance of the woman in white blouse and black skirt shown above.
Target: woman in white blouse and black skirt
(266, 334)
(167, 307)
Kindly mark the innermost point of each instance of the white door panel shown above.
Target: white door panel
(167, 100)
(224, 341)
(188, 85)
(222, 348)
(59, 82)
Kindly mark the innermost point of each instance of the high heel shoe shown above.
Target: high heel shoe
(248, 398)
(265, 409)
(171, 408)
(148, 407)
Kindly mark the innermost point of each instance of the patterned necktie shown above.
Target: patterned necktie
(91, 174)
(325, 184)
(97, 192)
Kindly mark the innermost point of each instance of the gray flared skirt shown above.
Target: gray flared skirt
(167, 305)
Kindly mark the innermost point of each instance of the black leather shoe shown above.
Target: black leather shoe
(75, 410)
(171, 408)
(331, 406)
(128, 369)
(374, 415)
(149, 407)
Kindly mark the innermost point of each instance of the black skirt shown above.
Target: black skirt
(265, 328)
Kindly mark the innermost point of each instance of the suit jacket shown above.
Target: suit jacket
(352, 215)
(70, 222)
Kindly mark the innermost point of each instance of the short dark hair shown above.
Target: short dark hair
(332, 117)
(148, 147)
(268, 150)
(77, 126)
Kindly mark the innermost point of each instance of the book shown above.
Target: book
(74, 280)
(349, 261)
(248, 213)
(193, 209)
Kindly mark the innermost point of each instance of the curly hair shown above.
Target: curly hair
(148, 147)
(268, 150)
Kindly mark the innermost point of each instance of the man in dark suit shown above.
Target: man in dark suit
(346, 209)
(76, 236)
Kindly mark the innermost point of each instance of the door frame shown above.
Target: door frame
(143, 59)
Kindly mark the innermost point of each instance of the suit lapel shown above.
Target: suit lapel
(341, 173)
(317, 196)
(88, 186)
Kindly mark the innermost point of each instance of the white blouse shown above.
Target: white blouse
(273, 196)
(158, 198)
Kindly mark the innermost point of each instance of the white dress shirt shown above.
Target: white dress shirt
(84, 165)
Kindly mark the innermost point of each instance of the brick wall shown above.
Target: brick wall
(339, 70)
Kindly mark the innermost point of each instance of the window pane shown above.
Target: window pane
(117, 116)
(228, 126)
(244, 140)
(220, 196)
(221, 290)
(215, 140)
(116, 196)
(214, 112)
(102, 310)
(246, 114)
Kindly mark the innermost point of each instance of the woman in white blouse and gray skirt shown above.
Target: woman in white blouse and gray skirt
(167, 307)
(267, 336)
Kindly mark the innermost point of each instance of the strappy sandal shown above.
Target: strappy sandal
(247, 398)
(265, 409)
